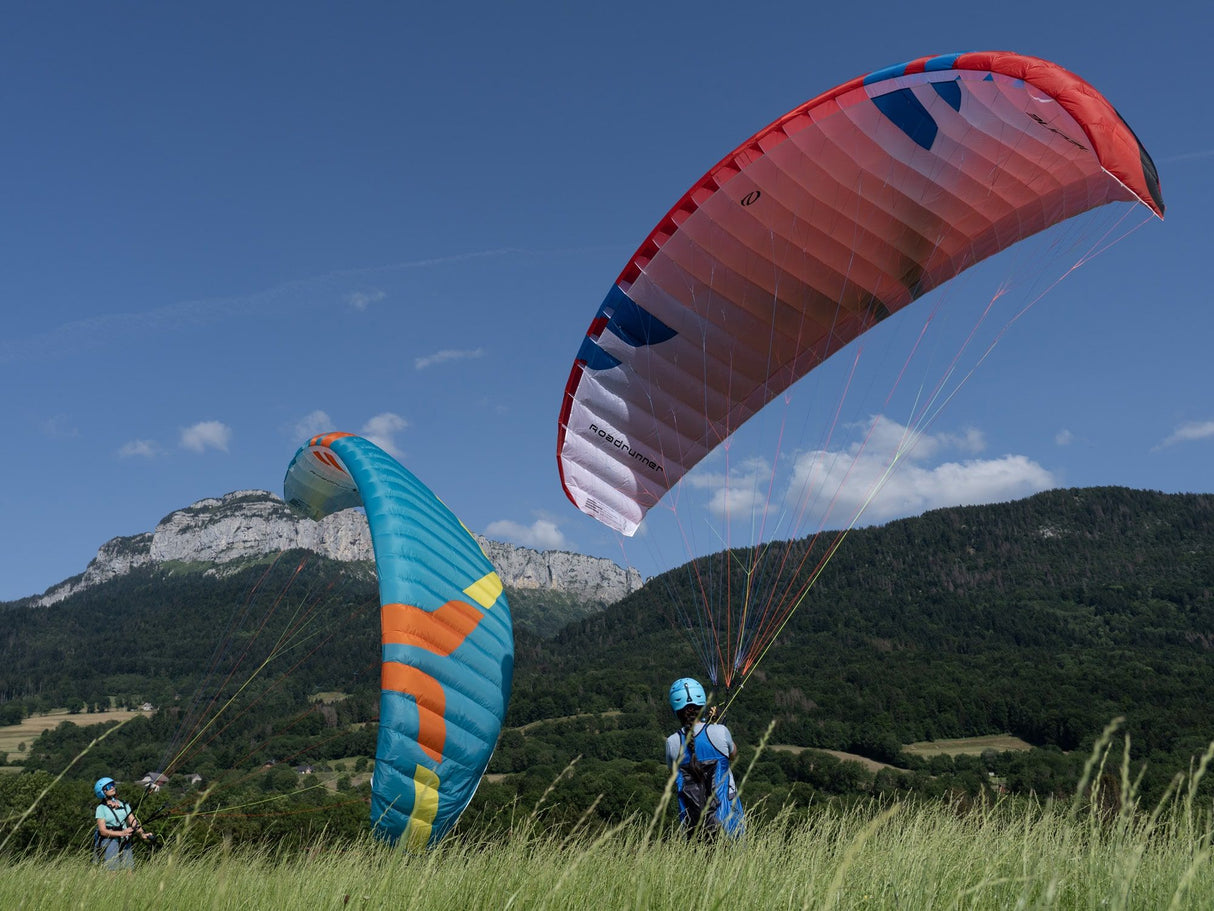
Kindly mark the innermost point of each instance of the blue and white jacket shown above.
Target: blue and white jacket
(713, 742)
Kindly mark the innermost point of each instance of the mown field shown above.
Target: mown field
(13, 735)
(962, 746)
(967, 746)
(871, 765)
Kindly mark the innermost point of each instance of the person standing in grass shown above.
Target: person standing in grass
(116, 828)
(701, 754)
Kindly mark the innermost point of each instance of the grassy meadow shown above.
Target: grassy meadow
(971, 746)
(1101, 850)
(897, 856)
(13, 735)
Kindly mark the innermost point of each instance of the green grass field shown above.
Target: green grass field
(971, 746)
(13, 735)
(871, 765)
(869, 857)
(1101, 850)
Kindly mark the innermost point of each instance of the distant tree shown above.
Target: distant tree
(63, 820)
(280, 779)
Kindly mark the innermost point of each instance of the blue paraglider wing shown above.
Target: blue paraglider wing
(448, 645)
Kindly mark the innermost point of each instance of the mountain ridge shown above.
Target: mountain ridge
(229, 531)
(1043, 618)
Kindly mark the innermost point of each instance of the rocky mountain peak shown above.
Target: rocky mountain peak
(247, 524)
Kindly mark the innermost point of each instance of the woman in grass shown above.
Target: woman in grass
(702, 753)
(116, 828)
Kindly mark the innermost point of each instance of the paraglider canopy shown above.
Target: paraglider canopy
(818, 227)
(814, 231)
(448, 647)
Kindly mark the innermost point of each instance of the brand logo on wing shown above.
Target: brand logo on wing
(622, 445)
(1053, 129)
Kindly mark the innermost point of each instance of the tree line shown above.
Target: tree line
(1043, 618)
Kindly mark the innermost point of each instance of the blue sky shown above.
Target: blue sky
(230, 225)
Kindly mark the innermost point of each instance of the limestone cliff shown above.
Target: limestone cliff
(248, 524)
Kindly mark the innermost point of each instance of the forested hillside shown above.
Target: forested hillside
(1045, 618)
(149, 636)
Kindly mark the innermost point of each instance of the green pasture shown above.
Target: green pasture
(970, 746)
(13, 735)
(896, 856)
(1102, 849)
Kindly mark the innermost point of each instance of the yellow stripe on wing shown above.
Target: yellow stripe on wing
(425, 809)
(485, 590)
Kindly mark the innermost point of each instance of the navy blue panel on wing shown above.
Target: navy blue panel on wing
(909, 115)
(633, 324)
(943, 62)
(889, 72)
(594, 357)
(950, 92)
(934, 65)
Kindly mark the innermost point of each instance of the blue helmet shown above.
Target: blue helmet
(101, 785)
(684, 692)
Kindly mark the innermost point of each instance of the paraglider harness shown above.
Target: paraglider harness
(119, 822)
(698, 792)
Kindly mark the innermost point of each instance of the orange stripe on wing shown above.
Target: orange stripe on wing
(325, 439)
(329, 459)
(431, 704)
(441, 631)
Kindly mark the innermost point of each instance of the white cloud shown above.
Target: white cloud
(143, 449)
(1187, 433)
(542, 534)
(891, 474)
(743, 491)
(888, 472)
(59, 427)
(382, 430)
(1064, 437)
(206, 435)
(310, 425)
(881, 435)
(360, 300)
(448, 354)
(911, 489)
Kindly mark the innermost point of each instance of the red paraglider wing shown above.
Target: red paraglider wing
(832, 218)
